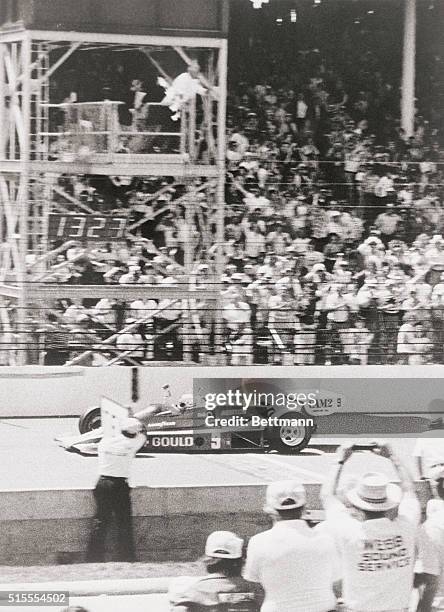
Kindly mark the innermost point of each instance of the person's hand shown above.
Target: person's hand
(344, 452)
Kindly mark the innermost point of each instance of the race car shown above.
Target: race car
(349, 408)
(184, 427)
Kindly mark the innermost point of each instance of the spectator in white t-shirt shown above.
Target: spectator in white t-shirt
(387, 222)
(236, 313)
(301, 112)
(131, 340)
(384, 186)
(438, 291)
(254, 242)
(295, 565)
(104, 312)
(356, 342)
(240, 342)
(241, 141)
(435, 251)
(134, 275)
(378, 551)
(141, 308)
(431, 551)
(420, 345)
(405, 334)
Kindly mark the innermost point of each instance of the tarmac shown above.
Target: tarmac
(30, 459)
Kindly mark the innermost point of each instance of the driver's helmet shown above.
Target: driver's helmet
(185, 402)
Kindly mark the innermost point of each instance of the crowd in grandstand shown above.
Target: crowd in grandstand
(334, 229)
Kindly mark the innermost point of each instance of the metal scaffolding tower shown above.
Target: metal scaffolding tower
(29, 170)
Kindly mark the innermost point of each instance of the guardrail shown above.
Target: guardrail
(87, 129)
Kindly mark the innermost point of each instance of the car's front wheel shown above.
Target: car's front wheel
(90, 420)
(288, 438)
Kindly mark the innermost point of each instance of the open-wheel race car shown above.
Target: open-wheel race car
(390, 407)
(184, 427)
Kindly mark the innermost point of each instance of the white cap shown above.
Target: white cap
(318, 267)
(285, 495)
(131, 426)
(224, 545)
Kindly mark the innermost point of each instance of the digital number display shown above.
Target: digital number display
(86, 227)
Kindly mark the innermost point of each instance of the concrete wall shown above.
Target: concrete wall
(34, 391)
(49, 527)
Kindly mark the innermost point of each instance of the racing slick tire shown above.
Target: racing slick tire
(289, 440)
(90, 420)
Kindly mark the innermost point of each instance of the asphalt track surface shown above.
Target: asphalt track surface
(30, 459)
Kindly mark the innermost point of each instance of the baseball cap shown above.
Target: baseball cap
(224, 545)
(285, 495)
(318, 267)
(131, 426)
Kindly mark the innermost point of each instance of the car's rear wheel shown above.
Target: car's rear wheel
(290, 439)
(90, 420)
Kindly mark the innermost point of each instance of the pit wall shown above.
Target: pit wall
(37, 391)
(46, 527)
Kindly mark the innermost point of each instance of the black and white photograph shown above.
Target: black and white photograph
(221, 305)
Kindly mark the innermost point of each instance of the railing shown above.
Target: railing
(79, 131)
(109, 343)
